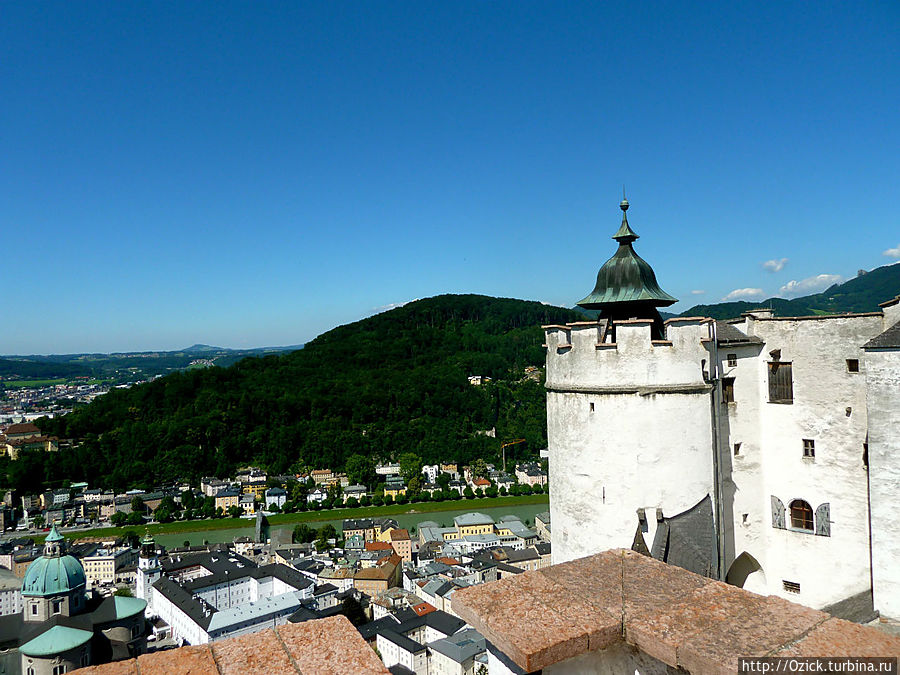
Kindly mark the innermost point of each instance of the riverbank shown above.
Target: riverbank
(181, 527)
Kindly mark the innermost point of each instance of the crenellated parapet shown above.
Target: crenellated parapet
(622, 356)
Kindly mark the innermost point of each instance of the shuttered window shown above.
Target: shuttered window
(801, 515)
(823, 520)
(781, 384)
(777, 513)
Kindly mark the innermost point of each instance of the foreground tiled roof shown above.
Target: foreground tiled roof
(323, 647)
(685, 620)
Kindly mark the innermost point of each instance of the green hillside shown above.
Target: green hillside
(393, 383)
(861, 294)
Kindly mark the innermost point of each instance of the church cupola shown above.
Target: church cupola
(626, 284)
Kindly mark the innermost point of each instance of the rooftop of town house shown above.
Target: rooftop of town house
(329, 646)
(687, 621)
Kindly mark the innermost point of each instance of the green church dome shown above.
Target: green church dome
(54, 573)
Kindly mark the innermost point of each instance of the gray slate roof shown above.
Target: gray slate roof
(889, 339)
(727, 334)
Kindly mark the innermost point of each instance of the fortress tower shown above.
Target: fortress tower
(760, 450)
(619, 389)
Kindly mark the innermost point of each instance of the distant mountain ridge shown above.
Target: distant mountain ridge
(863, 293)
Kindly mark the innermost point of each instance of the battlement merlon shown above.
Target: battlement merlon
(600, 354)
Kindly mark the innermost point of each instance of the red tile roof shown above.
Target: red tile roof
(546, 616)
(329, 646)
(379, 546)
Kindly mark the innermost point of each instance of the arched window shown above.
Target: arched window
(801, 515)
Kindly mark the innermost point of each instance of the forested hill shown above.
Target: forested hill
(863, 293)
(392, 383)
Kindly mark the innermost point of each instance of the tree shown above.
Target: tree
(410, 465)
(137, 504)
(353, 611)
(414, 485)
(235, 511)
(187, 499)
(163, 514)
(479, 468)
(117, 519)
(328, 532)
(443, 479)
(303, 534)
(359, 469)
(134, 518)
(124, 592)
(351, 503)
(468, 493)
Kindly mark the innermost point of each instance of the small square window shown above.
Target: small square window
(737, 449)
(791, 586)
(852, 365)
(732, 360)
(809, 447)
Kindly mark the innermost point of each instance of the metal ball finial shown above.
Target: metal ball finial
(623, 205)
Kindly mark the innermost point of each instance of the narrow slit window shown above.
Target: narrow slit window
(732, 360)
(591, 407)
(728, 390)
(809, 448)
(737, 449)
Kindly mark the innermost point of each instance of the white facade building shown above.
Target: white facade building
(750, 450)
(10, 593)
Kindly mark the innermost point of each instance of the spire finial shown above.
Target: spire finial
(624, 203)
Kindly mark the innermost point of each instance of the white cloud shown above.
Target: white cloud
(810, 285)
(697, 292)
(393, 305)
(744, 294)
(892, 252)
(775, 265)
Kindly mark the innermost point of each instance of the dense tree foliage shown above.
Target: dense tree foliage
(391, 384)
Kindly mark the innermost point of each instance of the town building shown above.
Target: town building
(10, 593)
(276, 496)
(212, 595)
(750, 450)
(105, 565)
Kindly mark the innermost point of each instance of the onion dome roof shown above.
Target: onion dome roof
(54, 573)
(626, 277)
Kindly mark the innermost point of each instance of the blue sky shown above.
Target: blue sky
(249, 174)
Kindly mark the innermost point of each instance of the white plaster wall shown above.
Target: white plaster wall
(742, 473)
(635, 449)
(828, 569)
(883, 379)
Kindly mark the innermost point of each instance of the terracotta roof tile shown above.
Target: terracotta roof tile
(128, 667)
(690, 622)
(836, 637)
(330, 646)
(255, 653)
(185, 661)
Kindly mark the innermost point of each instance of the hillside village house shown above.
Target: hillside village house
(751, 450)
